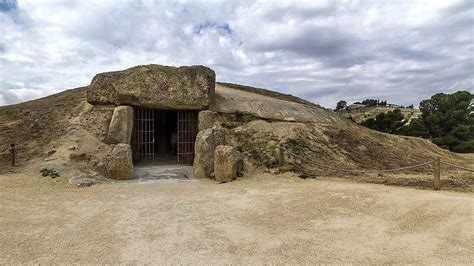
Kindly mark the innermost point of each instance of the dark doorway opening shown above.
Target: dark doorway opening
(163, 137)
(166, 132)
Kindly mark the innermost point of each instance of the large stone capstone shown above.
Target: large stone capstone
(206, 141)
(119, 162)
(155, 86)
(121, 125)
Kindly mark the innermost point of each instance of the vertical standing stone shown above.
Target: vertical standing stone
(121, 125)
(119, 162)
(207, 119)
(206, 141)
(227, 163)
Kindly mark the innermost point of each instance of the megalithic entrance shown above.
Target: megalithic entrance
(152, 135)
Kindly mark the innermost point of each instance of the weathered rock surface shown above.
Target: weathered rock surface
(121, 125)
(206, 141)
(207, 119)
(119, 162)
(231, 100)
(227, 163)
(155, 86)
(82, 180)
(100, 168)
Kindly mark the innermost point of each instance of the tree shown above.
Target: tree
(448, 119)
(341, 105)
(370, 123)
(389, 122)
(370, 102)
(416, 128)
(443, 112)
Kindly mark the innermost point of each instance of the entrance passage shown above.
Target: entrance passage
(164, 137)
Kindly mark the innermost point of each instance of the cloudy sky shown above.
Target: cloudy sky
(323, 51)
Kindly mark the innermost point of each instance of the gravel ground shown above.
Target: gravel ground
(265, 219)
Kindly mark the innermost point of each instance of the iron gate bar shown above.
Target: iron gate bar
(187, 131)
(144, 123)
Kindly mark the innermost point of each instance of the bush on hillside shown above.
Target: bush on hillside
(389, 122)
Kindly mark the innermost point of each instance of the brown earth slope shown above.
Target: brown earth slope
(59, 130)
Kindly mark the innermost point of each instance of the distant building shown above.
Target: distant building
(472, 106)
(355, 106)
(391, 105)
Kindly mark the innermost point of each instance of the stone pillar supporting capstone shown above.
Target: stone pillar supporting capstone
(227, 163)
(121, 125)
(206, 141)
(119, 163)
(207, 119)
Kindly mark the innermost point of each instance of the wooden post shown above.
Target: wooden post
(13, 152)
(437, 173)
(281, 157)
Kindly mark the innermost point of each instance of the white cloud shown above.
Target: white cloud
(323, 51)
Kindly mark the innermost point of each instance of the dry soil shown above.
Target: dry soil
(263, 219)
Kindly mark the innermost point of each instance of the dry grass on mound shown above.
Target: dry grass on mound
(314, 150)
(56, 130)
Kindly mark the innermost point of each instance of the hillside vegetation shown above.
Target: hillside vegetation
(360, 115)
(446, 119)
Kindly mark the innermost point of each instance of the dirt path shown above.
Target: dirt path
(265, 219)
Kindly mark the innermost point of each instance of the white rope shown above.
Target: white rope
(375, 170)
(361, 170)
(458, 166)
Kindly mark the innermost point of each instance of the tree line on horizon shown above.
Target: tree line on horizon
(446, 119)
(342, 105)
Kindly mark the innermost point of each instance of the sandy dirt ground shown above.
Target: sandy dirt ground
(265, 219)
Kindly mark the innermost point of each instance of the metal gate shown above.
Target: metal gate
(187, 131)
(144, 136)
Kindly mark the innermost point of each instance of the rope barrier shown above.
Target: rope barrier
(436, 163)
(375, 170)
(361, 170)
(458, 166)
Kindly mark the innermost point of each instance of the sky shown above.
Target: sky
(322, 51)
